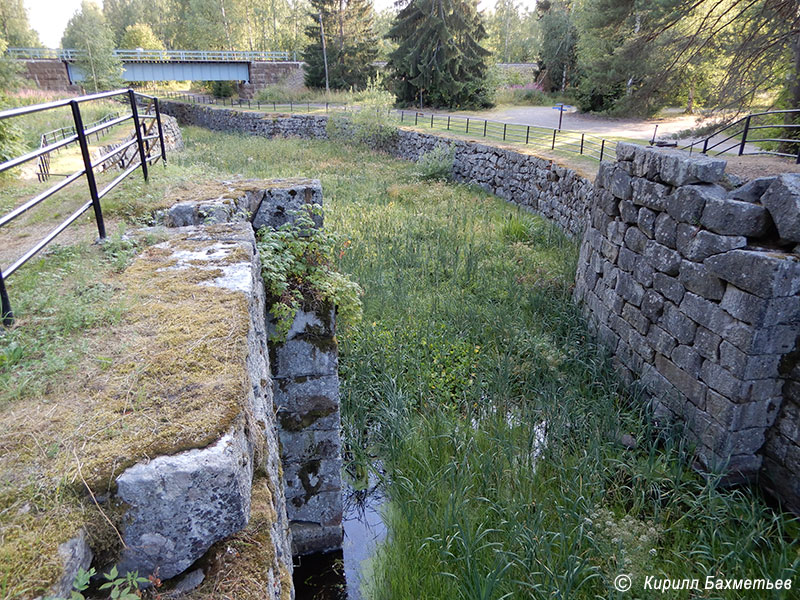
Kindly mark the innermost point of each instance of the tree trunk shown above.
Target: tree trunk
(690, 101)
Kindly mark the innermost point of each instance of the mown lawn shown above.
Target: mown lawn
(470, 352)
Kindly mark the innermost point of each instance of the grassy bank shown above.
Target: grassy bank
(469, 349)
(469, 353)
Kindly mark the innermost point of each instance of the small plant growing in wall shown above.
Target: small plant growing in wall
(298, 265)
(437, 164)
(125, 587)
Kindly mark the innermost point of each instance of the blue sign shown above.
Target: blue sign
(563, 107)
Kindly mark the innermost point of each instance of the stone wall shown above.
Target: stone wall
(49, 75)
(264, 74)
(304, 366)
(690, 283)
(178, 505)
(690, 279)
(553, 191)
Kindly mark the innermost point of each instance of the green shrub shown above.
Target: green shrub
(370, 124)
(437, 164)
(221, 89)
(11, 144)
(297, 263)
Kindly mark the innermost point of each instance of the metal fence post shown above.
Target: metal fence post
(602, 148)
(467, 131)
(87, 164)
(553, 145)
(137, 128)
(431, 120)
(416, 118)
(744, 134)
(528, 134)
(8, 315)
(583, 134)
(160, 133)
(484, 127)
(448, 122)
(504, 131)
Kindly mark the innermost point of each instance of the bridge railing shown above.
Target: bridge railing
(140, 55)
(148, 152)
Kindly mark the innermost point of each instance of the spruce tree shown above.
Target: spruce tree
(439, 59)
(350, 43)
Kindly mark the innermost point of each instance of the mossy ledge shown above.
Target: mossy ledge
(170, 376)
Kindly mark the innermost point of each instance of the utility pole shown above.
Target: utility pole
(324, 53)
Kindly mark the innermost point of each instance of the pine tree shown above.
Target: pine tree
(87, 32)
(439, 60)
(350, 43)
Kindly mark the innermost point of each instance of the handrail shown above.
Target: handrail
(744, 128)
(149, 55)
(81, 134)
(576, 142)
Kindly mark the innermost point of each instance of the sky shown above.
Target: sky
(49, 17)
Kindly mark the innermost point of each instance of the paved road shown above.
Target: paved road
(639, 129)
(545, 116)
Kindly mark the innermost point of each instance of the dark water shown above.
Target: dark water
(338, 575)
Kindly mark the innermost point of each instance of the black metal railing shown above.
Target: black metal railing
(51, 137)
(142, 137)
(756, 130)
(577, 142)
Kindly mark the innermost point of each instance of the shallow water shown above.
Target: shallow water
(339, 575)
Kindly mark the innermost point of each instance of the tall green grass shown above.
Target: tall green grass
(469, 343)
(469, 348)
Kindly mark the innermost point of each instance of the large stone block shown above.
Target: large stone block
(752, 190)
(283, 198)
(697, 244)
(695, 278)
(765, 274)
(179, 505)
(782, 200)
(732, 217)
(760, 311)
(304, 357)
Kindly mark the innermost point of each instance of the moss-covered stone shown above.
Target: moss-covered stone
(169, 376)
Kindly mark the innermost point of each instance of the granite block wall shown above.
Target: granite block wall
(689, 277)
(540, 185)
(691, 283)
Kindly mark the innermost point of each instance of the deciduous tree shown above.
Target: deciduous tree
(88, 32)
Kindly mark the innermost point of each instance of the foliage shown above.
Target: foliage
(350, 44)
(437, 164)
(9, 70)
(10, 133)
(221, 89)
(370, 124)
(119, 587)
(140, 35)
(513, 33)
(87, 31)
(297, 263)
(439, 59)
(530, 94)
(14, 25)
(636, 57)
(559, 37)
